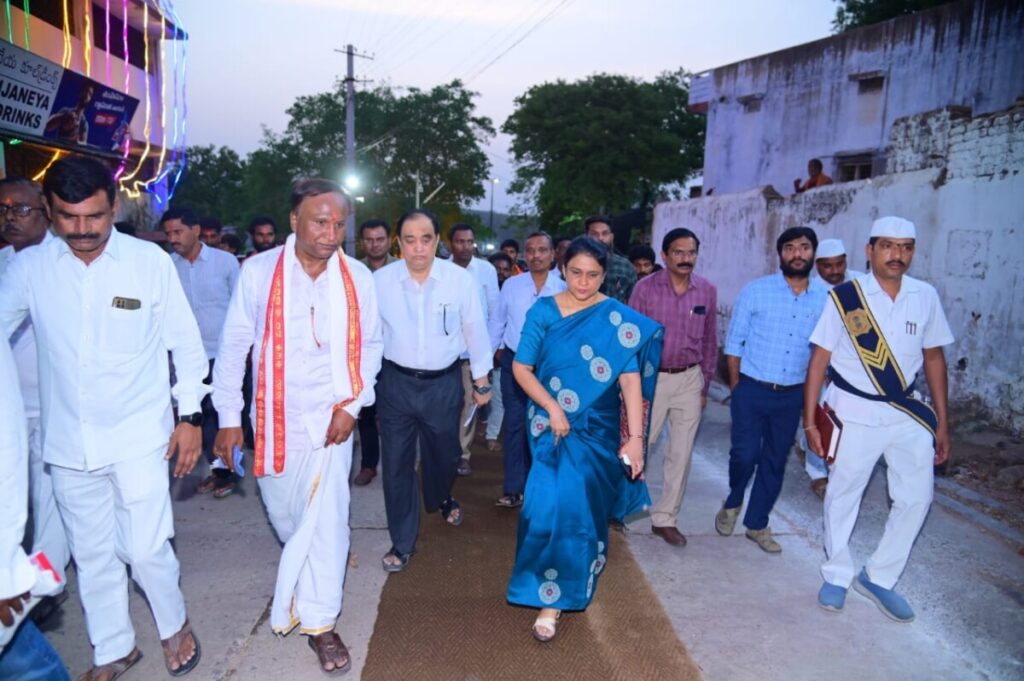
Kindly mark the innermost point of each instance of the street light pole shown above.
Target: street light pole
(494, 181)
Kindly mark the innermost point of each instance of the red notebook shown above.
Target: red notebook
(831, 430)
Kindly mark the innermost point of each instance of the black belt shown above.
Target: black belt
(680, 370)
(422, 373)
(774, 387)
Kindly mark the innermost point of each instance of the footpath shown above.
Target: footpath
(741, 613)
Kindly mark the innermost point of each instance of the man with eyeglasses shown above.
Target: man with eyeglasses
(686, 305)
(433, 317)
(24, 223)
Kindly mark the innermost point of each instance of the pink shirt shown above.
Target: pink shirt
(691, 332)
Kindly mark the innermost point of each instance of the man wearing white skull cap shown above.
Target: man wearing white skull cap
(830, 266)
(874, 336)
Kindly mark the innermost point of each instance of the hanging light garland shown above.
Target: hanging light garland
(148, 128)
(163, 110)
(87, 43)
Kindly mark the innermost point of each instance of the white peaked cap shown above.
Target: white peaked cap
(894, 227)
(830, 248)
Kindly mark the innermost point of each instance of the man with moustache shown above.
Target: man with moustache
(208, 278)
(875, 334)
(830, 266)
(106, 408)
(262, 233)
(767, 351)
(462, 243)
(309, 314)
(685, 304)
(621, 275)
(24, 223)
(517, 296)
(433, 317)
(376, 242)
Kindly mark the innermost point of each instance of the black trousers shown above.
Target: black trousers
(369, 437)
(210, 427)
(424, 411)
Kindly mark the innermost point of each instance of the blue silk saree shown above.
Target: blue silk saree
(574, 487)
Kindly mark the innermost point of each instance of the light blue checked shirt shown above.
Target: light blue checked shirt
(771, 327)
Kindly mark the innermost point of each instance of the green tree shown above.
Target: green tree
(856, 13)
(212, 184)
(607, 143)
(430, 134)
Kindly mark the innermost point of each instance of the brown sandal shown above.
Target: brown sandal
(329, 648)
(172, 646)
(115, 668)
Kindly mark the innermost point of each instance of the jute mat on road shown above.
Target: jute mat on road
(445, 618)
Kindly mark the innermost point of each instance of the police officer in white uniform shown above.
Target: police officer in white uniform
(872, 394)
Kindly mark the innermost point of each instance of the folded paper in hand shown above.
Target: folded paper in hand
(831, 430)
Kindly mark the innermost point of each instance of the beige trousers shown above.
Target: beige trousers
(677, 399)
(466, 433)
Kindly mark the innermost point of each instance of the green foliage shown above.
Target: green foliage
(212, 184)
(856, 13)
(607, 143)
(434, 134)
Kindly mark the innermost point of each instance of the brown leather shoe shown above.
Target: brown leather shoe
(331, 653)
(670, 534)
(364, 477)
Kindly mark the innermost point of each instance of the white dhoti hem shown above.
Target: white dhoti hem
(48, 533)
(308, 505)
(910, 454)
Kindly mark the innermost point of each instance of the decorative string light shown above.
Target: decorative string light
(163, 108)
(107, 17)
(27, 16)
(148, 128)
(87, 43)
(38, 176)
(10, 28)
(66, 59)
(127, 83)
(184, 111)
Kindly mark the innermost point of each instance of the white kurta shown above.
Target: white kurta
(308, 501)
(911, 323)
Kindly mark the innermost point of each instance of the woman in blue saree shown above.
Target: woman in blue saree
(578, 351)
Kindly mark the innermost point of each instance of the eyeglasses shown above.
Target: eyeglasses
(20, 210)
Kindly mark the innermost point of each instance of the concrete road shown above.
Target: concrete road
(742, 613)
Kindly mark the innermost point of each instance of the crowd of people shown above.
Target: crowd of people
(580, 357)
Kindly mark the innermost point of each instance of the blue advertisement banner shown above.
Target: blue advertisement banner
(89, 114)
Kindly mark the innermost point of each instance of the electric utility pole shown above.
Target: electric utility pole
(350, 177)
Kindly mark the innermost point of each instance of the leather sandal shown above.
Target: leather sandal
(451, 511)
(509, 501)
(403, 560)
(542, 623)
(172, 646)
(115, 668)
(330, 649)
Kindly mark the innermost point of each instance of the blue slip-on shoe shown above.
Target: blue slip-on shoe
(892, 605)
(831, 597)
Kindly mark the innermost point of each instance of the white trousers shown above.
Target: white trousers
(909, 454)
(308, 506)
(115, 516)
(466, 433)
(48, 533)
(677, 399)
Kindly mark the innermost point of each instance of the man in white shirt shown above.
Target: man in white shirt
(830, 267)
(309, 314)
(432, 316)
(874, 335)
(106, 408)
(208, 277)
(517, 296)
(462, 243)
(28, 655)
(25, 223)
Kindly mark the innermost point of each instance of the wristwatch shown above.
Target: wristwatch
(195, 419)
(481, 389)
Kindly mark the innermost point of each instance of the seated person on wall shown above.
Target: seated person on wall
(816, 178)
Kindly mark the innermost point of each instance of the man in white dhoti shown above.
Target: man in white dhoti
(309, 313)
(24, 223)
(107, 309)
